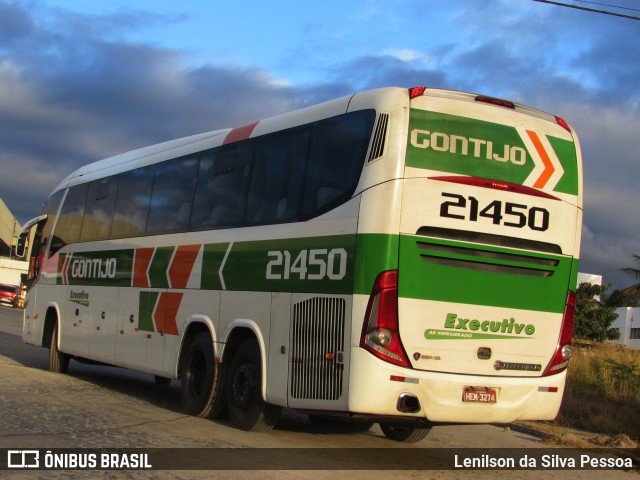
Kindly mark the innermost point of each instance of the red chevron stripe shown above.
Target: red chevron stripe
(166, 313)
(182, 265)
(141, 264)
(240, 133)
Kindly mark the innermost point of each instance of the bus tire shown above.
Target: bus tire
(200, 378)
(58, 361)
(404, 433)
(247, 409)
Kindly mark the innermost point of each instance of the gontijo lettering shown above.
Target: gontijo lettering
(94, 268)
(476, 147)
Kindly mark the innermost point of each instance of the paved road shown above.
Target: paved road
(103, 407)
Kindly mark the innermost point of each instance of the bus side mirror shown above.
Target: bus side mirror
(21, 246)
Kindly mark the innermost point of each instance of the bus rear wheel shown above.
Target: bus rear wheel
(58, 361)
(404, 433)
(247, 410)
(201, 379)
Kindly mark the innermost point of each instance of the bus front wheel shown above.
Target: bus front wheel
(247, 410)
(201, 379)
(58, 361)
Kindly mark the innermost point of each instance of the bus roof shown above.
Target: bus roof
(195, 143)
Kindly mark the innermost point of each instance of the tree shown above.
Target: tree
(593, 318)
(627, 297)
(634, 272)
(630, 296)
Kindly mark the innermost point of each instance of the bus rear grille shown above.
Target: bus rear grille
(379, 137)
(317, 347)
(486, 260)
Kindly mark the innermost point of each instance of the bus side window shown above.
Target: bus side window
(99, 210)
(337, 157)
(172, 196)
(132, 202)
(70, 220)
(276, 182)
(222, 187)
(39, 244)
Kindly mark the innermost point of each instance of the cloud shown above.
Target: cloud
(76, 88)
(70, 98)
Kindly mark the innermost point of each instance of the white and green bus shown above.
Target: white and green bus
(407, 257)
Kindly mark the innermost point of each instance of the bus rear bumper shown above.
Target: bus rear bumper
(380, 388)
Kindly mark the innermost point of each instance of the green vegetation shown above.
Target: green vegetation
(593, 319)
(603, 391)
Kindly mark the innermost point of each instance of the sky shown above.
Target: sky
(82, 80)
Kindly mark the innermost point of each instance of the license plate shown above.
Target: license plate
(479, 395)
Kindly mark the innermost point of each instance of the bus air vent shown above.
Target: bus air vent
(317, 349)
(489, 239)
(486, 260)
(379, 137)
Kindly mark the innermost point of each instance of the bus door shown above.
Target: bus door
(28, 248)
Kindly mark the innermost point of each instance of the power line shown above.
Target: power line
(587, 9)
(609, 5)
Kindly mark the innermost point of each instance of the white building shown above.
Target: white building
(11, 269)
(628, 323)
(9, 228)
(589, 278)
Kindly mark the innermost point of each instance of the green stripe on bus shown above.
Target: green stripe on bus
(454, 144)
(100, 268)
(375, 253)
(158, 268)
(430, 269)
(566, 152)
(305, 265)
(147, 306)
(486, 278)
(212, 257)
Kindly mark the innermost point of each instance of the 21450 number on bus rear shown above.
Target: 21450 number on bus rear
(500, 213)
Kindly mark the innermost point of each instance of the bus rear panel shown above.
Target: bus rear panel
(487, 261)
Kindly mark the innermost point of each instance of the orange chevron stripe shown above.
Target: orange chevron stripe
(140, 266)
(549, 169)
(182, 264)
(166, 313)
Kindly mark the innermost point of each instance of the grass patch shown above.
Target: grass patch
(602, 394)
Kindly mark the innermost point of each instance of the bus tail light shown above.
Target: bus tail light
(561, 356)
(562, 122)
(495, 101)
(380, 333)
(416, 92)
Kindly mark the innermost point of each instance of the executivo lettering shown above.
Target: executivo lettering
(81, 298)
(504, 326)
(458, 328)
